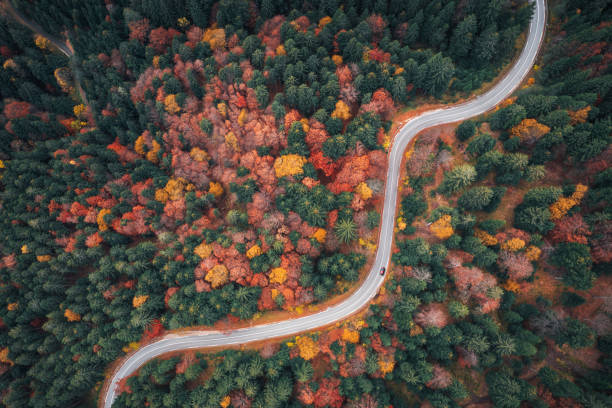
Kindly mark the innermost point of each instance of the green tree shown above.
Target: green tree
(476, 198)
(345, 230)
(465, 130)
(458, 178)
(575, 333)
(575, 259)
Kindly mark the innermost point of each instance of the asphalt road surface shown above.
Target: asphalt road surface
(362, 296)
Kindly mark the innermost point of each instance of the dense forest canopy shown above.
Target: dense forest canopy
(198, 163)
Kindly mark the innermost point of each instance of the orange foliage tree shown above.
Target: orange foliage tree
(442, 227)
(307, 347)
(529, 130)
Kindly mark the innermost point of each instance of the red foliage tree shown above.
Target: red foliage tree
(570, 229)
(16, 110)
(328, 394)
(125, 154)
(134, 222)
(432, 315)
(239, 399)
(323, 163)
(441, 378)
(601, 242)
(160, 38)
(377, 25)
(474, 283)
(379, 55)
(515, 264)
(345, 76)
(381, 104)
(155, 329)
(353, 172)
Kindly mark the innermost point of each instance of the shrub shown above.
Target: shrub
(571, 299)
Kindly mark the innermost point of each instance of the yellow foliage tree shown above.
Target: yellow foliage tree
(203, 250)
(324, 21)
(170, 104)
(342, 111)
(217, 276)
(222, 108)
(386, 363)
(579, 116)
(559, 208)
(138, 301)
(215, 37)
(307, 347)
(175, 188)
(533, 253)
(198, 154)
(305, 125)
(215, 189)
(401, 223)
(350, 336)
(79, 109)
(12, 306)
(24, 249)
(289, 165)
(364, 191)
(152, 154)
(161, 195)
(513, 245)
(416, 330)
(102, 226)
(139, 145)
(253, 251)
(320, 235)
(225, 401)
(232, 141)
(484, 237)
(512, 286)
(182, 22)
(242, 117)
(442, 227)
(43, 258)
(41, 42)
(130, 347)
(278, 275)
(280, 50)
(529, 130)
(72, 316)
(337, 59)
(4, 358)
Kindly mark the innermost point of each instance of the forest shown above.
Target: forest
(199, 163)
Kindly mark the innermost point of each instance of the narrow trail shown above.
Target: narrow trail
(63, 46)
(362, 296)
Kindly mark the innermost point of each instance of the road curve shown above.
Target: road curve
(23, 20)
(361, 297)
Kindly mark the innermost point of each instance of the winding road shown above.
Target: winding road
(362, 296)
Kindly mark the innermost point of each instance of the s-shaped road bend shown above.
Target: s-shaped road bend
(362, 296)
